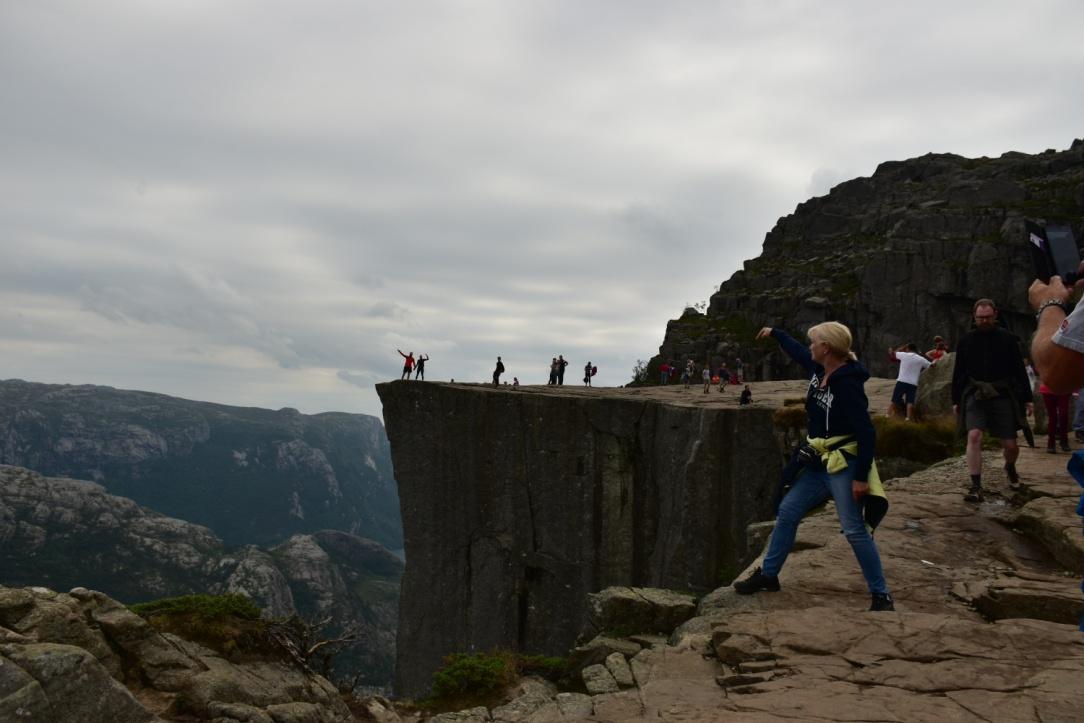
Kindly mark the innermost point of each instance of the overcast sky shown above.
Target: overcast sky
(257, 203)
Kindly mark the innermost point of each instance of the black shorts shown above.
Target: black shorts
(995, 416)
(904, 393)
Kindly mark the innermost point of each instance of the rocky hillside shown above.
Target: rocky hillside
(519, 503)
(898, 256)
(63, 533)
(82, 656)
(251, 475)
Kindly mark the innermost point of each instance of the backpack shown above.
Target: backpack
(594, 371)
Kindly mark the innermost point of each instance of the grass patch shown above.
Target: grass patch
(228, 624)
(928, 441)
(468, 680)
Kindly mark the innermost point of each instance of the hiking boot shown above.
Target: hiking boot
(756, 582)
(881, 601)
(1014, 478)
(974, 494)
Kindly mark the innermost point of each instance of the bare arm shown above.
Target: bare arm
(1061, 368)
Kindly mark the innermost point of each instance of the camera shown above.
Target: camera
(807, 455)
(1053, 252)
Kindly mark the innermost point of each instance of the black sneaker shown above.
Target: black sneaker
(1014, 478)
(756, 582)
(974, 494)
(881, 601)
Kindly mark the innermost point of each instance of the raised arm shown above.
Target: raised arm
(794, 350)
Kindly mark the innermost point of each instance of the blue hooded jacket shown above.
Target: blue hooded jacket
(842, 408)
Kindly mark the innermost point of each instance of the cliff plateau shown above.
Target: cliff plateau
(518, 503)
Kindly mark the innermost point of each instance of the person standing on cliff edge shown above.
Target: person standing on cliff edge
(497, 372)
(408, 364)
(989, 387)
(835, 463)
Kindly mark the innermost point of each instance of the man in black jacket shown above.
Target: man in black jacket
(989, 388)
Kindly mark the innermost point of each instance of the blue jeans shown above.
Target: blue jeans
(815, 487)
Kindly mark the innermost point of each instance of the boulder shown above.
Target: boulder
(598, 680)
(628, 610)
(76, 686)
(620, 670)
(934, 396)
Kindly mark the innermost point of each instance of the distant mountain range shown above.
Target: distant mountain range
(253, 476)
(63, 533)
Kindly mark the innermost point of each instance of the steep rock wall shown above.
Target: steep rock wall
(516, 504)
(898, 256)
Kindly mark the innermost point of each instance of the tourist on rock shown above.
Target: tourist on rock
(553, 371)
(911, 365)
(497, 372)
(939, 349)
(746, 396)
(687, 375)
(724, 377)
(835, 463)
(587, 373)
(561, 364)
(705, 376)
(990, 389)
(1057, 418)
(664, 373)
(408, 364)
(739, 370)
(419, 367)
(515, 382)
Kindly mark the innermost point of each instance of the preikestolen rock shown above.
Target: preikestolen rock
(629, 610)
(529, 707)
(598, 680)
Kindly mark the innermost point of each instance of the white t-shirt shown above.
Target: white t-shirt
(1071, 332)
(911, 365)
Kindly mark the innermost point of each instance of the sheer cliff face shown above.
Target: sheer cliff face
(898, 256)
(516, 504)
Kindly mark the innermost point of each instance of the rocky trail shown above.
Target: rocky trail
(982, 631)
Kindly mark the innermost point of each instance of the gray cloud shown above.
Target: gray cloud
(258, 204)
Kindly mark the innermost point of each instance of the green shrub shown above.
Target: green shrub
(548, 667)
(927, 441)
(204, 606)
(229, 624)
(793, 417)
(474, 675)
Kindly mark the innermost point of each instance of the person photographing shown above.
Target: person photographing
(836, 462)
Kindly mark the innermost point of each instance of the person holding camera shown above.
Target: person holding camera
(1058, 345)
(835, 463)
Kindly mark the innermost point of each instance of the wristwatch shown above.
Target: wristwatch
(1050, 302)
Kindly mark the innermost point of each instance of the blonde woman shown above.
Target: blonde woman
(836, 463)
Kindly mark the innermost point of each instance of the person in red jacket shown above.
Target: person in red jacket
(408, 363)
